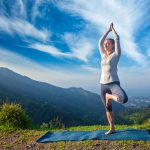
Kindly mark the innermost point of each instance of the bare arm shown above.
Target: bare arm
(117, 41)
(101, 42)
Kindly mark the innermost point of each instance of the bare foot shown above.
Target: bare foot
(110, 132)
(108, 99)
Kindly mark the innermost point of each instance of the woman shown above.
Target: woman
(110, 84)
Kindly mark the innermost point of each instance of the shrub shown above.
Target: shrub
(147, 122)
(53, 124)
(56, 123)
(13, 115)
(44, 126)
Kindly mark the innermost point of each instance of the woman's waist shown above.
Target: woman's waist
(109, 69)
(109, 78)
(109, 73)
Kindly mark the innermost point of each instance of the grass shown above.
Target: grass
(11, 138)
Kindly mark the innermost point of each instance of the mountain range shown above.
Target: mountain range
(43, 101)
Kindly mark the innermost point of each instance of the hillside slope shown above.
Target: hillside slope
(74, 106)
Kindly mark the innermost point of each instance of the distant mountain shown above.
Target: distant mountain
(43, 101)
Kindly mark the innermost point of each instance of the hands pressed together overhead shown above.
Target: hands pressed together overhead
(111, 26)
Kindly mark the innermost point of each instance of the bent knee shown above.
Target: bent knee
(123, 99)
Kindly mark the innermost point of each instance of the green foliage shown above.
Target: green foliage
(44, 126)
(135, 115)
(139, 116)
(56, 123)
(6, 128)
(13, 115)
(147, 121)
(53, 124)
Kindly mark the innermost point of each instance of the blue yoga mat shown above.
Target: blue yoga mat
(126, 134)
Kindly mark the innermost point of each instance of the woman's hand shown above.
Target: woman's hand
(110, 27)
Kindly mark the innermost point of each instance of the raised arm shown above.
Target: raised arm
(101, 41)
(117, 41)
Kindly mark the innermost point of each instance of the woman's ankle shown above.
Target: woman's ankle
(112, 128)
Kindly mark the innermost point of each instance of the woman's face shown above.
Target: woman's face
(108, 46)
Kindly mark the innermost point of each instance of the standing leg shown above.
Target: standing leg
(111, 122)
(109, 113)
(118, 95)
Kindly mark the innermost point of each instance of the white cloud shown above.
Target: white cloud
(80, 46)
(17, 22)
(35, 9)
(20, 9)
(50, 50)
(23, 28)
(132, 50)
(128, 17)
(91, 69)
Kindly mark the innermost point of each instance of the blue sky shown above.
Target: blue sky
(56, 41)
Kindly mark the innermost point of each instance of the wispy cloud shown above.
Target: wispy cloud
(15, 8)
(80, 46)
(19, 9)
(23, 28)
(15, 21)
(50, 50)
(35, 9)
(132, 50)
(91, 69)
(127, 16)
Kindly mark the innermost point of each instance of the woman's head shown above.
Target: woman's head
(109, 45)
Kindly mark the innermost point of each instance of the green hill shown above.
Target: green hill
(74, 106)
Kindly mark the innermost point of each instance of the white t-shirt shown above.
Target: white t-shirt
(109, 65)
